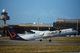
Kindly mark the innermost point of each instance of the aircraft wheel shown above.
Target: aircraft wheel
(50, 40)
(40, 39)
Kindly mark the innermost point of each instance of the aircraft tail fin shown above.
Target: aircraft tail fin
(13, 35)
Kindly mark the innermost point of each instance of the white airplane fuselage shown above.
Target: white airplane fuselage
(43, 34)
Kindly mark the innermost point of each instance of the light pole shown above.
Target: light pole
(38, 23)
(49, 27)
(77, 27)
(4, 17)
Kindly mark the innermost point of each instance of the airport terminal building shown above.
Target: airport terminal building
(59, 24)
(21, 28)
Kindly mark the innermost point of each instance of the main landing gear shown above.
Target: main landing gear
(40, 39)
(50, 40)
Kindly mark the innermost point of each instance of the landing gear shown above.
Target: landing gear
(50, 40)
(40, 39)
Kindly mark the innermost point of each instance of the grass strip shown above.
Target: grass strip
(39, 48)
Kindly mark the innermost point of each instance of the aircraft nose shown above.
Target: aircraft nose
(75, 31)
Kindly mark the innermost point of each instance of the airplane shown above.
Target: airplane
(40, 34)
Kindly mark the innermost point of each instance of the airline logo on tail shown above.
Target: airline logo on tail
(12, 34)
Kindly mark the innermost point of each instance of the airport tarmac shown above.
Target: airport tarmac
(16, 42)
(34, 42)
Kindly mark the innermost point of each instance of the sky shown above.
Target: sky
(42, 11)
